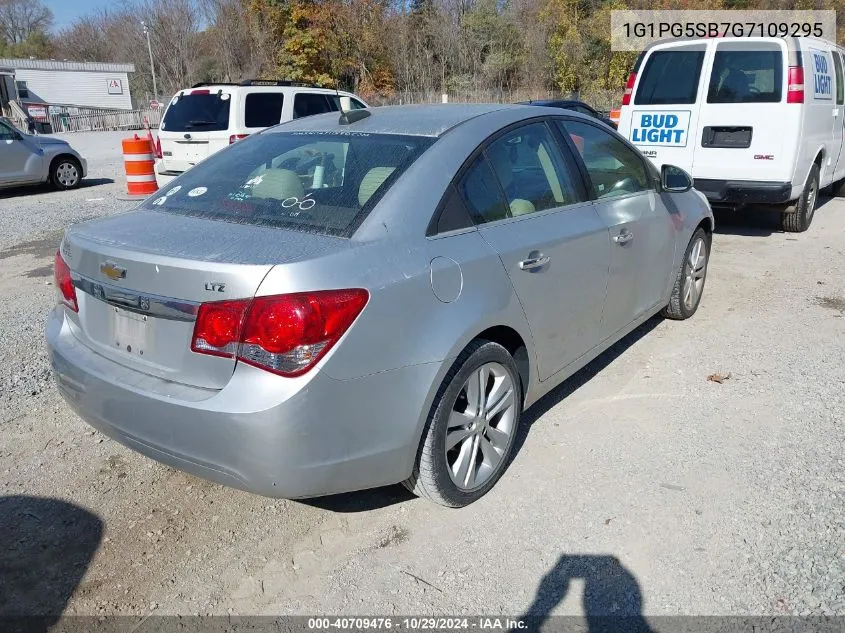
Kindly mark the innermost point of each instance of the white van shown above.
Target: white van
(753, 120)
(206, 118)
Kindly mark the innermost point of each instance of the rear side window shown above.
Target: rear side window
(263, 109)
(840, 89)
(742, 74)
(309, 181)
(197, 112)
(309, 103)
(530, 171)
(670, 77)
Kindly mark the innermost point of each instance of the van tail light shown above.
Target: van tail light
(795, 85)
(615, 115)
(629, 89)
(157, 148)
(237, 137)
(282, 334)
(64, 284)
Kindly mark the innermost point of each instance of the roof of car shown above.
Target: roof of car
(413, 120)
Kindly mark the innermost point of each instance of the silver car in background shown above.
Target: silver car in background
(340, 303)
(26, 159)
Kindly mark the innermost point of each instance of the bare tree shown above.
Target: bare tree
(21, 18)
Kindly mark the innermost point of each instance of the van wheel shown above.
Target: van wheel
(797, 217)
(469, 436)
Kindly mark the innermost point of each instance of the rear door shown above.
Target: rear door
(745, 122)
(311, 103)
(663, 119)
(193, 120)
(532, 209)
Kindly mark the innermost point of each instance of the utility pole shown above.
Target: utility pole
(152, 65)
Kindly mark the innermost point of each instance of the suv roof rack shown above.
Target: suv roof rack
(276, 82)
(213, 83)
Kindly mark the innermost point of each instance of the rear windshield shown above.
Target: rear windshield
(670, 77)
(746, 75)
(309, 181)
(197, 113)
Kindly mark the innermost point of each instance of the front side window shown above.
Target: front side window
(530, 170)
(317, 182)
(263, 109)
(614, 168)
(311, 103)
(670, 77)
(197, 112)
(7, 133)
(746, 73)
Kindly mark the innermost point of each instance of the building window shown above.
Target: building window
(23, 91)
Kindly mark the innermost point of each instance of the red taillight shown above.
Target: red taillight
(157, 149)
(795, 85)
(200, 92)
(629, 89)
(237, 137)
(284, 334)
(218, 328)
(61, 276)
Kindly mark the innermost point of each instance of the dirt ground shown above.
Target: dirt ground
(639, 486)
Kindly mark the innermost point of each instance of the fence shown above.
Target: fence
(89, 119)
(602, 100)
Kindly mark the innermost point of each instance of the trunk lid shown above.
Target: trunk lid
(191, 127)
(140, 278)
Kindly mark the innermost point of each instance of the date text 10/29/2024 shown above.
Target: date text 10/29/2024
(417, 623)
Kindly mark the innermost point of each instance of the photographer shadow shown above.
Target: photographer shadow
(612, 601)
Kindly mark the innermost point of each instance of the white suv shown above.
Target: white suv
(206, 118)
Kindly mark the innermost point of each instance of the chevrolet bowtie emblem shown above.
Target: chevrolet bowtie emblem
(112, 271)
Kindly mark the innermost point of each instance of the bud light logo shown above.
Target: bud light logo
(667, 129)
(822, 79)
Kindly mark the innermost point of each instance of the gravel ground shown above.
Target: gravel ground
(639, 485)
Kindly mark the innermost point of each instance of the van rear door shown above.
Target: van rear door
(748, 131)
(663, 118)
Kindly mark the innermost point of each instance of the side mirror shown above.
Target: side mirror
(674, 179)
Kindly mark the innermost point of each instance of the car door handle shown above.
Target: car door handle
(624, 237)
(534, 262)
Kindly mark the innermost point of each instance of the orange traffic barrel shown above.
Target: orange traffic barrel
(139, 163)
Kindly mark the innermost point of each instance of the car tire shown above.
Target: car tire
(481, 424)
(798, 217)
(65, 173)
(690, 278)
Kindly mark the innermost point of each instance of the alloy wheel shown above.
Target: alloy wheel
(480, 427)
(694, 271)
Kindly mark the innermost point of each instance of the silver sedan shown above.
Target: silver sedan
(346, 302)
(26, 159)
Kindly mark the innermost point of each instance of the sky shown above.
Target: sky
(64, 12)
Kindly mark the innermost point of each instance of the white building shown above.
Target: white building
(79, 84)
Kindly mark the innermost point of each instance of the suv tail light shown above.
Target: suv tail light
(64, 284)
(157, 148)
(234, 138)
(629, 89)
(283, 334)
(795, 85)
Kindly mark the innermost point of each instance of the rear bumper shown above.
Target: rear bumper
(738, 192)
(258, 434)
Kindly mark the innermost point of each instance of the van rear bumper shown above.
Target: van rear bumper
(736, 192)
